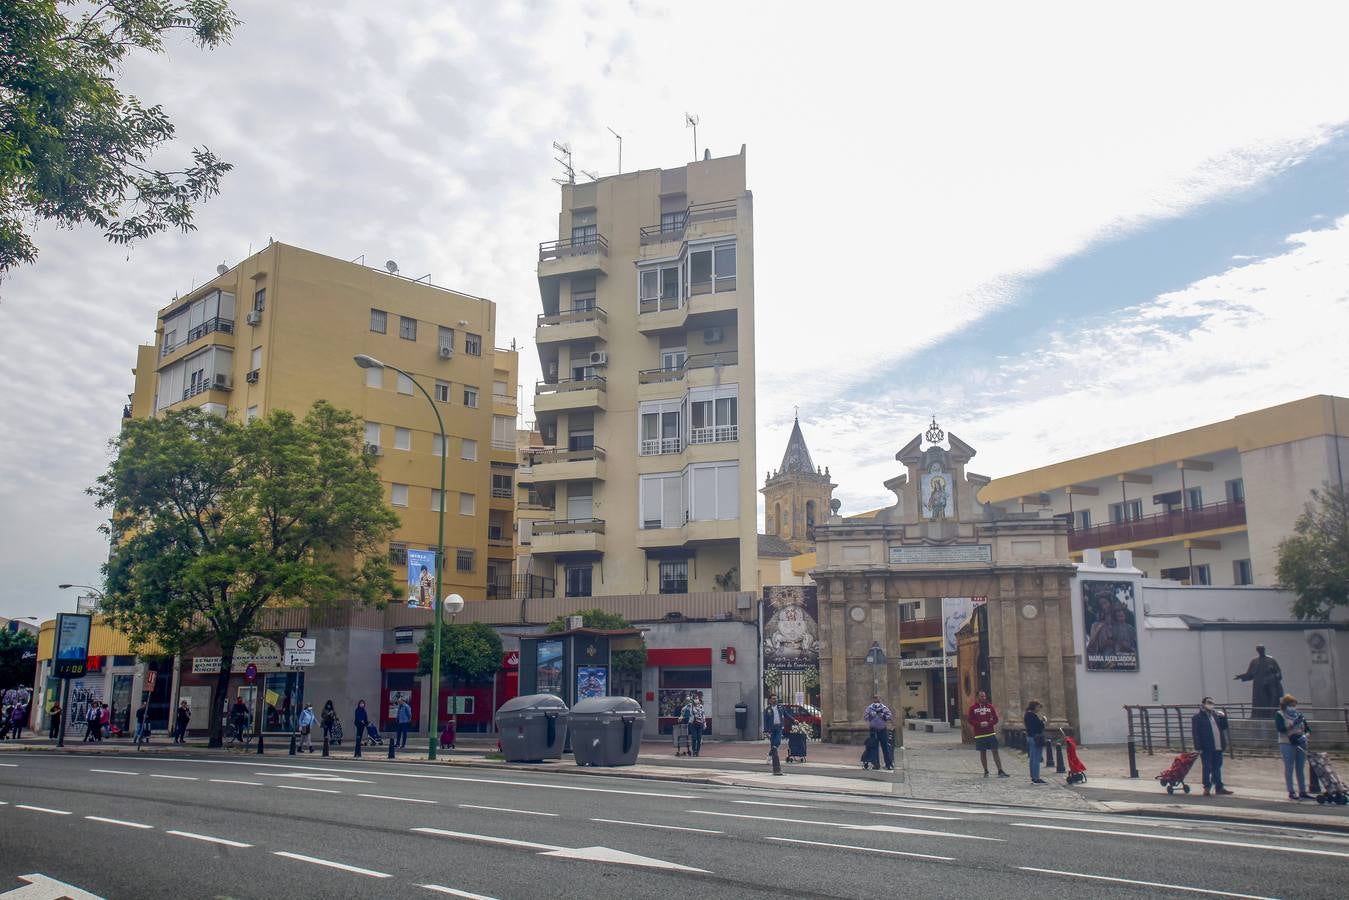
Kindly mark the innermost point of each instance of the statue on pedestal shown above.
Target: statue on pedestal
(1266, 682)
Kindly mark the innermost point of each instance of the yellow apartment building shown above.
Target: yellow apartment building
(280, 330)
(646, 407)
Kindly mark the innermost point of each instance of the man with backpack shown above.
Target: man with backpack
(878, 718)
(694, 716)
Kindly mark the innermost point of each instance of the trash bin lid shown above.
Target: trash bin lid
(533, 701)
(608, 706)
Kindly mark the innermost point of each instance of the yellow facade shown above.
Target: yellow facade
(280, 330)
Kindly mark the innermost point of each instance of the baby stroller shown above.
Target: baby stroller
(1333, 789)
(372, 733)
(335, 732)
(1173, 776)
(1077, 770)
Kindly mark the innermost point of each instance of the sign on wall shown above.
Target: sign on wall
(1108, 617)
(592, 681)
(549, 668)
(954, 553)
(955, 612)
(422, 578)
(265, 656)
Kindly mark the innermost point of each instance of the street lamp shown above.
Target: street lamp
(369, 362)
(454, 604)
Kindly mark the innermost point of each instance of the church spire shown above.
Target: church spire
(796, 460)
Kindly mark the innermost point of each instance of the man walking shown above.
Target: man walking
(1209, 729)
(180, 720)
(696, 717)
(878, 718)
(983, 719)
(775, 720)
(55, 713)
(404, 722)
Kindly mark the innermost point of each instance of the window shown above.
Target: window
(437, 445)
(468, 449)
(661, 427)
(501, 486)
(580, 502)
(673, 359)
(674, 576)
(1129, 511)
(714, 492)
(400, 495)
(473, 344)
(1241, 572)
(584, 231)
(371, 434)
(374, 378)
(402, 438)
(436, 497)
(255, 359)
(468, 504)
(503, 432)
(446, 340)
(578, 581)
(407, 328)
(442, 392)
(672, 223)
(712, 269)
(1236, 491)
(658, 288)
(471, 397)
(501, 392)
(463, 560)
(662, 500)
(251, 414)
(1202, 575)
(715, 415)
(404, 384)
(379, 321)
(1194, 498)
(260, 299)
(1081, 520)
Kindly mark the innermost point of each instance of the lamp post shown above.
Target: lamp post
(369, 362)
(454, 604)
(65, 682)
(87, 587)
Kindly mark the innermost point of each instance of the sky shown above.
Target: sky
(1057, 228)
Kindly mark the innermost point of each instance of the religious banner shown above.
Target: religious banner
(788, 621)
(936, 494)
(955, 612)
(1110, 626)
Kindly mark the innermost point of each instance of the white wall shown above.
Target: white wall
(1279, 480)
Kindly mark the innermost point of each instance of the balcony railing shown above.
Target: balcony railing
(543, 457)
(658, 304)
(659, 446)
(569, 526)
(573, 316)
(594, 382)
(708, 360)
(1161, 525)
(503, 493)
(499, 444)
(521, 587)
(714, 434)
(659, 376)
(578, 246)
(920, 629)
(673, 230)
(225, 326)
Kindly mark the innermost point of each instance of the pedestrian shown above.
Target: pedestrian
(239, 716)
(306, 723)
(878, 718)
(697, 722)
(983, 719)
(1293, 730)
(104, 720)
(404, 722)
(180, 720)
(1209, 729)
(1035, 737)
(143, 724)
(4, 721)
(17, 717)
(361, 719)
(93, 723)
(54, 730)
(775, 720)
(447, 735)
(329, 718)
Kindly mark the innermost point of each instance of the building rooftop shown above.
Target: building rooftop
(772, 545)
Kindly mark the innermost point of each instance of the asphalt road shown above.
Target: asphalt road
(128, 826)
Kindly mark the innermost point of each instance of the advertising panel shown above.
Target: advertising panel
(791, 632)
(955, 612)
(70, 658)
(422, 578)
(549, 668)
(592, 681)
(1110, 625)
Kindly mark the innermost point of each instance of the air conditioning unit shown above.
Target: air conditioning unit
(254, 318)
(252, 377)
(599, 358)
(223, 382)
(446, 351)
(374, 450)
(713, 335)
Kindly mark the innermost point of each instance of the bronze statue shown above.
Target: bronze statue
(1266, 682)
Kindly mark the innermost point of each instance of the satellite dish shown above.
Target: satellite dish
(391, 267)
(221, 269)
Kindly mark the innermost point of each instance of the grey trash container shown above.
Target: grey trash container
(607, 731)
(533, 728)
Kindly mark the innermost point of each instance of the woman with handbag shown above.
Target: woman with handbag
(1035, 735)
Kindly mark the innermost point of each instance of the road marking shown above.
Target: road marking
(208, 839)
(177, 777)
(313, 776)
(55, 812)
(1187, 840)
(610, 855)
(10, 765)
(523, 812)
(441, 889)
(1155, 884)
(296, 787)
(866, 849)
(40, 887)
(892, 829)
(404, 799)
(487, 839)
(767, 803)
(117, 822)
(114, 772)
(917, 816)
(232, 781)
(333, 865)
(653, 825)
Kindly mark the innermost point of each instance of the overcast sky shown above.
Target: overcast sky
(1057, 229)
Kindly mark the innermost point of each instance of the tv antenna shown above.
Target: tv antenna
(620, 148)
(691, 121)
(564, 160)
(593, 176)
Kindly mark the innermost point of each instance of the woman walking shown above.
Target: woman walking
(360, 719)
(328, 719)
(1293, 730)
(1035, 735)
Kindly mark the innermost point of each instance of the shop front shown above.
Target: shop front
(273, 694)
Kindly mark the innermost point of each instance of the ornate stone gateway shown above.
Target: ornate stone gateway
(938, 541)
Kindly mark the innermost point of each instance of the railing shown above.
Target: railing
(1159, 525)
(200, 387)
(499, 444)
(919, 629)
(658, 304)
(573, 316)
(709, 360)
(541, 457)
(503, 493)
(659, 446)
(569, 526)
(579, 246)
(659, 376)
(224, 326)
(521, 587)
(1167, 727)
(699, 212)
(594, 382)
(534, 500)
(719, 285)
(714, 434)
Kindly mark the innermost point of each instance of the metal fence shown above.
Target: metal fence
(1166, 727)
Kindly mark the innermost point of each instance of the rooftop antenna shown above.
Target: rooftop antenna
(565, 161)
(593, 176)
(620, 148)
(691, 121)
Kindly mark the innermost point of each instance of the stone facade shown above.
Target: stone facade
(797, 495)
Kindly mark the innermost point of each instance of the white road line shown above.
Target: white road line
(177, 777)
(332, 865)
(523, 812)
(893, 829)
(441, 889)
(654, 825)
(404, 799)
(296, 787)
(487, 839)
(1155, 884)
(866, 849)
(113, 772)
(208, 839)
(232, 781)
(1187, 840)
(117, 822)
(917, 816)
(10, 765)
(55, 812)
(767, 803)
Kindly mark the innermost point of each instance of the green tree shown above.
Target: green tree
(467, 652)
(630, 661)
(216, 520)
(73, 148)
(18, 658)
(1314, 560)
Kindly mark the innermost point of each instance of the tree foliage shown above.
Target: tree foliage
(467, 652)
(1314, 560)
(73, 148)
(216, 520)
(18, 657)
(630, 661)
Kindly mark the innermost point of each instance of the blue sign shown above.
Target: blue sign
(422, 578)
(70, 656)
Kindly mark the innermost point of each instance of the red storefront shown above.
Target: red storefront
(477, 702)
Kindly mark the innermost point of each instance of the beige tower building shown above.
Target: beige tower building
(797, 495)
(646, 341)
(279, 331)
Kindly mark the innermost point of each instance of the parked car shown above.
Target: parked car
(805, 713)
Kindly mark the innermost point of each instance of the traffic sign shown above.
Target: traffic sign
(150, 677)
(300, 651)
(251, 673)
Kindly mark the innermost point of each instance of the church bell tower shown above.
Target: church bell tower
(797, 495)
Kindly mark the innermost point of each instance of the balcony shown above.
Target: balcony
(590, 324)
(659, 446)
(920, 629)
(521, 587)
(691, 533)
(569, 395)
(1160, 527)
(574, 256)
(698, 220)
(656, 314)
(567, 536)
(224, 326)
(551, 466)
(715, 434)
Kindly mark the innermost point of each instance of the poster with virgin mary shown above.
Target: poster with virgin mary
(936, 495)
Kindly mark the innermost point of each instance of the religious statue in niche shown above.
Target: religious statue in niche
(936, 496)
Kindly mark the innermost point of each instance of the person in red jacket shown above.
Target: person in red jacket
(983, 719)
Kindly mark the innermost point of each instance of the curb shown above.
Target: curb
(1234, 817)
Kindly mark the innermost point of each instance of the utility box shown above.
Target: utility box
(533, 728)
(607, 731)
